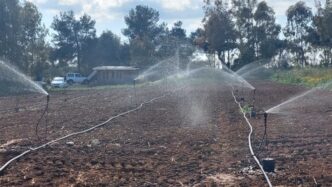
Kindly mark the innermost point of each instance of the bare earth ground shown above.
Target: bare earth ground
(194, 137)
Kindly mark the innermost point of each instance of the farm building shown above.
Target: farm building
(113, 75)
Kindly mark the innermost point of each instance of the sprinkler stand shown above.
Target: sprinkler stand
(254, 97)
(265, 119)
(45, 113)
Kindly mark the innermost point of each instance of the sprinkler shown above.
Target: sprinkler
(264, 139)
(242, 100)
(42, 116)
(268, 163)
(265, 127)
(48, 98)
(265, 119)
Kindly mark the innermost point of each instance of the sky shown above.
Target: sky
(109, 14)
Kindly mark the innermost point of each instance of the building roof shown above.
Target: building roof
(115, 68)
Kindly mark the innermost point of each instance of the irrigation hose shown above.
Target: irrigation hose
(2, 168)
(249, 141)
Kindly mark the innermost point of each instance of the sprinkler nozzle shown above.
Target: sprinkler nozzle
(48, 97)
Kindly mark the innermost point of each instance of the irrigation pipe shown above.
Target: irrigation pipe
(249, 141)
(2, 168)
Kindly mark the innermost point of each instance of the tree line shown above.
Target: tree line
(240, 32)
(246, 31)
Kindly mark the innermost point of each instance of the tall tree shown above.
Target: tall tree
(320, 35)
(243, 11)
(142, 22)
(108, 49)
(198, 38)
(72, 35)
(22, 36)
(10, 31)
(220, 30)
(266, 31)
(177, 31)
(299, 18)
(142, 30)
(33, 40)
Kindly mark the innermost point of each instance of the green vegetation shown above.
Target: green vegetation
(309, 77)
(246, 109)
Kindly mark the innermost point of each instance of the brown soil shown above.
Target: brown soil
(193, 137)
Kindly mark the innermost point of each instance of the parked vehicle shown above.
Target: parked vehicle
(59, 82)
(72, 78)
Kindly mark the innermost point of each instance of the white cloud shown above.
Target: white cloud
(193, 24)
(110, 3)
(177, 5)
(69, 2)
(99, 13)
(38, 2)
(99, 3)
(101, 9)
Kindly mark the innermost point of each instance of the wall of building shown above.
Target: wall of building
(114, 77)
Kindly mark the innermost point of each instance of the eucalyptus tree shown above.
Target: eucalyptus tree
(243, 11)
(220, 32)
(320, 35)
(299, 19)
(266, 31)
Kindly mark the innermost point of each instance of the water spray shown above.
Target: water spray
(253, 97)
(252, 106)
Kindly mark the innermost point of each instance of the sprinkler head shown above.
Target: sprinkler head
(48, 97)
